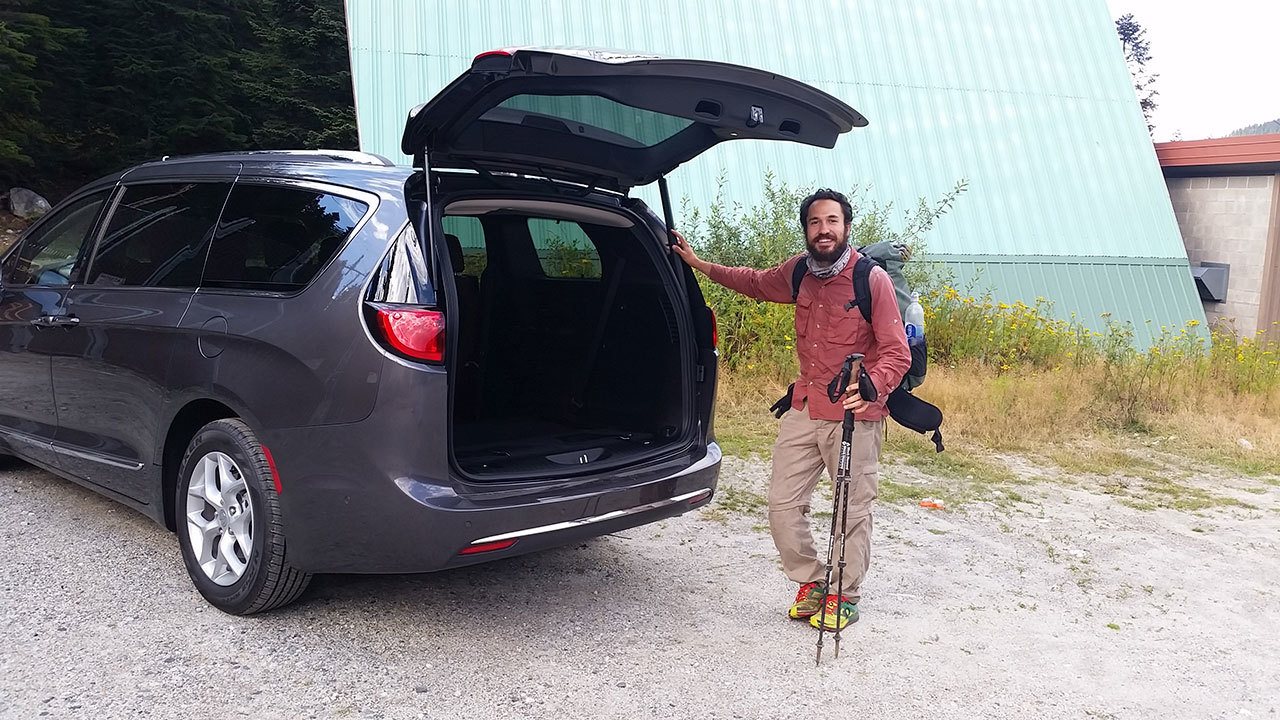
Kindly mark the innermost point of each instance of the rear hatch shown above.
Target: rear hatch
(609, 119)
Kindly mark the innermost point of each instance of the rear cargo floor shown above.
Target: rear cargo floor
(512, 446)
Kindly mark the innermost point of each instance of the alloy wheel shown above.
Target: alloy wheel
(220, 518)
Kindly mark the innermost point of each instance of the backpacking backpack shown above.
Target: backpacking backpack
(884, 255)
(905, 408)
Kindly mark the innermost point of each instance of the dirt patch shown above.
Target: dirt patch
(1153, 603)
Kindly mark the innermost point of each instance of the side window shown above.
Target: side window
(564, 250)
(278, 238)
(48, 254)
(470, 236)
(158, 235)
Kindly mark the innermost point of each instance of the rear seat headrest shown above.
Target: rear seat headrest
(455, 252)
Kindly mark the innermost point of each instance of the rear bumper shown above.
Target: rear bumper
(413, 524)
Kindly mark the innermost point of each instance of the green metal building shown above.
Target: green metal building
(1028, 100)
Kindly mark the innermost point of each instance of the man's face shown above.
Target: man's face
(825, 231)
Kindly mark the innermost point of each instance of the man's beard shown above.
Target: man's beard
(826, 258)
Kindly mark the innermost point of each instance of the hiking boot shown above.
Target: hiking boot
(840, 612)
(808, 601)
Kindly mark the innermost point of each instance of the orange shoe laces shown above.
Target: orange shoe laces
(834, 602)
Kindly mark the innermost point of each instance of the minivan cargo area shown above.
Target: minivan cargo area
(569, 345)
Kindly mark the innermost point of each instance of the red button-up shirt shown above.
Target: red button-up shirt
(826, 332)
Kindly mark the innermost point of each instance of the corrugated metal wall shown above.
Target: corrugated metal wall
(1028, 100)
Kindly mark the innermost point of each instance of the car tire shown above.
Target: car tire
(228, 522)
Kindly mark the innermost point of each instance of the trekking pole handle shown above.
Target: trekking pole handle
(866, 388)
(840, 382)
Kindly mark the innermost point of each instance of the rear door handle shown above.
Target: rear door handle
(44, 321)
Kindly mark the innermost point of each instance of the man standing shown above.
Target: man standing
(828, 329)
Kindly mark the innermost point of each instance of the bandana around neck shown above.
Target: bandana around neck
(831, 270)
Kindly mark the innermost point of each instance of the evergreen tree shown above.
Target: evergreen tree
(19, 99)
(159, 76)
(88, 88)
(298, 77)
(1266, 128)
(27, 41)
(1137, 53)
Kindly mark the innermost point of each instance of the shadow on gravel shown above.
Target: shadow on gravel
(543, 588)
(551, 587)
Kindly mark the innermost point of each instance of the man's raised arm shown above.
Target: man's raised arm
(773, 284)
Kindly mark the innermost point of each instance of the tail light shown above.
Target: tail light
(715, 329)
(417, 333)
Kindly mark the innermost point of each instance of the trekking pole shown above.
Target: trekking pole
(842, 484)
(826, 585)
(839, 509)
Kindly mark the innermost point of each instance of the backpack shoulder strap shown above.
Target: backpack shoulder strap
(797, 277)
(862, 287)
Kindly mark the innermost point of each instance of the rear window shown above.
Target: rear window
(278, 238)
(564, 250)
(590, 116)
(158, 235)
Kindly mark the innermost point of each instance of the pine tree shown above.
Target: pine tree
(28, 42)
(87, 88)
(1137, 53)
(19, 99)
(160, 75)
(1266, 128)
(298, 77)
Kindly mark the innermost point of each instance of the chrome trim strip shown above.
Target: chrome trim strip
(62, 450)
(23, 437)
(95, 457)
(594, 519)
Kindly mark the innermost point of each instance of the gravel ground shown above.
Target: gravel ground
(1068, 605)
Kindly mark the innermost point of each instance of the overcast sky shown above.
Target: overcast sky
(1217, 61)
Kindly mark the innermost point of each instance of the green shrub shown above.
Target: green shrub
(1182, 368)
(761, 336)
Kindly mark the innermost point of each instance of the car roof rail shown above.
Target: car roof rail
(352, 156)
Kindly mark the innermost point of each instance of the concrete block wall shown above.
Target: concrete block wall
(1228, 220)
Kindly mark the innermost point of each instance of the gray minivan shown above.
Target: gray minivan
(307, 362)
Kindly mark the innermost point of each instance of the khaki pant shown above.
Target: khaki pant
(804, 446)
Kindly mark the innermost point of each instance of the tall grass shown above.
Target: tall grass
(1181, 369)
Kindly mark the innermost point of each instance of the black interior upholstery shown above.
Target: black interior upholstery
(549, 367)
(468, 368)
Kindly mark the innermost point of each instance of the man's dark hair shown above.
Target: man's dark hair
(826, 194)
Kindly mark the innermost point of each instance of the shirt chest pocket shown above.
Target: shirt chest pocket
(847, 328)
(821, 323)
(804, 317)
